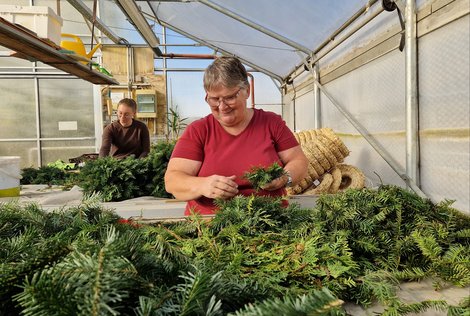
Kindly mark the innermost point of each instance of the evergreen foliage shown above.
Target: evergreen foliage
(319, 302)
(158, 159)
(260, 176)
(116, 180)
(128, 178)
(113, 179)
(49, 175)
(256, 257)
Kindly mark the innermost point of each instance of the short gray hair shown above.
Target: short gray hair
(225, 72)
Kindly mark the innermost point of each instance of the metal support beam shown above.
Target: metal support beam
(97, 116)
(194, 70)
(88, 15)
(332, 37)
(215, 48)
(165, 74)
(38, 119)
(378, 148)
(256, 26)
(351, 20)
(46, 139)
(316, 97)
(345, 37)
(136, 17)
(412, 106)
(276, 83)
(266, 72)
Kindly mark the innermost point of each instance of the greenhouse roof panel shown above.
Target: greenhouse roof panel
(273, 35)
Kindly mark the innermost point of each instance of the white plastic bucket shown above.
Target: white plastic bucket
(9, 176)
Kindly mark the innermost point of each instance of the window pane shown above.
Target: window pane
(18, 108)
(26, 150)
(66, 108)
(64, 150)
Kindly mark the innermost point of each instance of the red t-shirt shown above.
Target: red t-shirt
(223, 154)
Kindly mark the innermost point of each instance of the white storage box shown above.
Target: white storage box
(10, 176)
(40, 19)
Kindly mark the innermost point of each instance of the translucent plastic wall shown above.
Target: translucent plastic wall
(58, 121)
(373, 91)
(303, 22)
(373, 94)
(46, 114)
(445, 112)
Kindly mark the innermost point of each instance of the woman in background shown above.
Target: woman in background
(126, 136)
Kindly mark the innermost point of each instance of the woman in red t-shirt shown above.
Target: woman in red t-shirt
(213, 154)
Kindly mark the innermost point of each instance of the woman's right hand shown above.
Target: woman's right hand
(219, 187)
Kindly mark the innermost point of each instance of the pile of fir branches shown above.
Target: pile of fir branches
(88, 261)
(49, 175)
(128, 178)
(114, 179)
(255, 257)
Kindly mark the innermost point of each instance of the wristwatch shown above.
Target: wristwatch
(289, 179)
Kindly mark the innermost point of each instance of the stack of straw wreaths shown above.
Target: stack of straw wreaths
(325, 152)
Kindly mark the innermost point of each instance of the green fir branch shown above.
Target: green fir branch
(259, 176)
(319, 302)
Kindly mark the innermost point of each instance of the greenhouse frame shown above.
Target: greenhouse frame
(390, 77)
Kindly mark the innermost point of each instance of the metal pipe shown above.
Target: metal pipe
(269, 103)
(351, 20)
(252, 89)
(196, 70)
(38, 119)
(316, 97)
(255, 67)
(330, 38)
(276, 83)
(294, 106)
(136, 17)
(165, 74)
(97, 117)
(266, 72)
(348, 35)
(205, 56)
(180, 69)
(412, 102)
(168, 0)
(256, 26)
(45, 139)
(88, 15)
(32, 75)
(189, 56)
(378, 148)
(130, 70)
(201, 56)
(165, 68)
(93, 24)
(182, 45)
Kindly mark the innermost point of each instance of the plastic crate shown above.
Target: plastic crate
(41, 20)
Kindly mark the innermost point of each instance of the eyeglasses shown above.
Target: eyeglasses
(121, 114)
(228, 100)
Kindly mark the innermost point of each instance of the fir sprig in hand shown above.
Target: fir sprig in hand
(260, 176)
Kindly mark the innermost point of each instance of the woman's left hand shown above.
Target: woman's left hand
(276, 184)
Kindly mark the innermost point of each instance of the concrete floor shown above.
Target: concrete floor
(413, 292)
